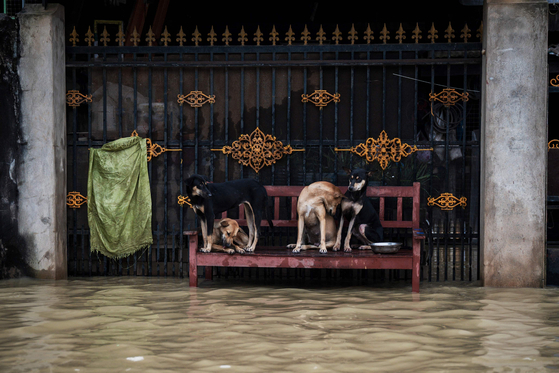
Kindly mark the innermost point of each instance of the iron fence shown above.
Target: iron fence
(408, 111)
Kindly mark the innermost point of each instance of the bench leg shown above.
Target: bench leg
(193, 260)
(415, 267)
(209, 273)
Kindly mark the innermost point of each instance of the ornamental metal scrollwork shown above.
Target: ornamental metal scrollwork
(74, 98)
(446, 201)
(321, 98)
(449, 97)
(153, 149)
(383, 149)
(555, 81)
(75, 200)
(184, 200)
(257, 150)
(553, 144)
(196, 99)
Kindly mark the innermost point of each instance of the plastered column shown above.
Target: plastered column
(514, 143)
(42, 178)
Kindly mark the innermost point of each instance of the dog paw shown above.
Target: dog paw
(291, 246)
(230, 251)
(323, 251)
(297, 250)
(249, 249)
(347, 249)
(240, 251)
(364, 247)
(205, 250)
(336, 248)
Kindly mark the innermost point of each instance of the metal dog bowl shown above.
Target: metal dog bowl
(386, 247)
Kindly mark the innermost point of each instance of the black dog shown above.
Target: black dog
(364, 222)
(210, 199)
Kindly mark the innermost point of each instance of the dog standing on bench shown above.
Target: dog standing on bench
(364, 222)
(228, 237)
(316, 207)
(210, 199)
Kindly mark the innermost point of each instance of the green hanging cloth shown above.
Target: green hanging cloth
(119, 198)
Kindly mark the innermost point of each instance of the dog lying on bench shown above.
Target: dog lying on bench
(228, 237)
(316, 208)
(210, 199)
(364, 222)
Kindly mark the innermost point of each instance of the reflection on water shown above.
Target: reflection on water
(162, 325)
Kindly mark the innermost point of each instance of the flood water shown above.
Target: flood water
(161, 325)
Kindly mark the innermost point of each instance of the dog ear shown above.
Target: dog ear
(347, 170)
(224, 223)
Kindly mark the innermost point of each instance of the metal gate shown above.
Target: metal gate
(403, 103)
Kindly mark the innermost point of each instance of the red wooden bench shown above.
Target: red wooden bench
(281, 257)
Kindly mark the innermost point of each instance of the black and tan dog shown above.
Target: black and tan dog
(210, 199)
(316, 207)
(364, 222)
(228, 237)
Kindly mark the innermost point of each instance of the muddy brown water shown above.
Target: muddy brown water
(161, 325)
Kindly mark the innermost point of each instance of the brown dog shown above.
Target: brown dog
(232, 237)
(316, 207)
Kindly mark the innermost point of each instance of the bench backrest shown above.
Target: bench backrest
(380, 192)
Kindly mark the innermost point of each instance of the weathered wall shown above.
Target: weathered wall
(12, 246)
(514, 143)
(42, 172)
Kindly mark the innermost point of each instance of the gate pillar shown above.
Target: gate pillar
(42, 176)
(514, 143)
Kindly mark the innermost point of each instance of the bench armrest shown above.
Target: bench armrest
(418, 234)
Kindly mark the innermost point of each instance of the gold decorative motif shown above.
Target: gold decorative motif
(258, 36)
(352, 34)
(181, 37)
(257, 150)
(196, 36)
(89, 37)
(416, 33)
(383, 149)
(105, 37)
(165, 37)
(321, 98)
(227, 36)
(320, 36)
(135, 39)
(384, 34)
(553, 144)
(400, 34)
(555, 81)
(289, 36)
(154, 150)
(75, 200)
(306, 35)
(120, 38)
(447, 202)
(432, 33)
(449, 97)
(74, 37)
(212, 36)
(449, 33)
(274, 35)
(466, 33)
(184, 200)
(242, 36)
(74, 98)
(368, 34)
(196, 99)
(150, 37)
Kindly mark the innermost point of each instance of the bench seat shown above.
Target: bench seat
(281, 257)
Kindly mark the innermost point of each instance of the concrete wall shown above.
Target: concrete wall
(42, 172)
(514, 143)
